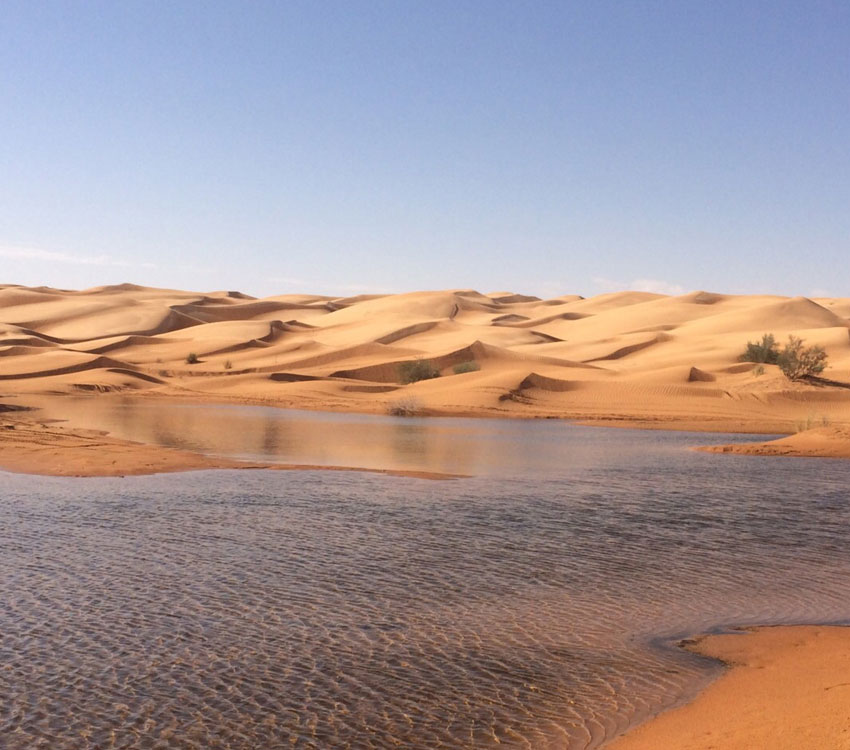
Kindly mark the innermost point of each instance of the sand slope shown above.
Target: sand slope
(622, 358)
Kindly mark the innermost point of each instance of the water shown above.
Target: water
(322, 610)
(503, 447)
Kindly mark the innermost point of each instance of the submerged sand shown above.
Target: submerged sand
(788, 688)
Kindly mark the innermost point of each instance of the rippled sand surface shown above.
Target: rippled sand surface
(321, 610)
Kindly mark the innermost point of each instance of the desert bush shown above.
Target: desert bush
(765, 351)
(192, 358)
(404, 407)
(758, 371)
(228, 365)
(416, 370)
(797, 362)
(471, 366)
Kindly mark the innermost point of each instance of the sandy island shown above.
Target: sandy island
(788, 688)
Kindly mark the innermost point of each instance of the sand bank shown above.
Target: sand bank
(819, 442)
(788, 688)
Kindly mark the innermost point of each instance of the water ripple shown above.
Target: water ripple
(264, 610)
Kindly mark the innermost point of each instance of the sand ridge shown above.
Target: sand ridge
(628, 358)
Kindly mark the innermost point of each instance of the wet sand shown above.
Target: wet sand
(788, 688)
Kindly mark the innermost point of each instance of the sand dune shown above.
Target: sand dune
(620, 358)
(38, 365)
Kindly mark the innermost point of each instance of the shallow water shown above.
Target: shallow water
(437, 444)
(528, 609)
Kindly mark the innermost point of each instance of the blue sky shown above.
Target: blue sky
(342, 147)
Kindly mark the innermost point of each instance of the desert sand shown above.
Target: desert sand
(632, 358)
(788, 689)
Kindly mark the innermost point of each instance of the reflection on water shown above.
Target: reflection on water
(451, 445)
(324, 610)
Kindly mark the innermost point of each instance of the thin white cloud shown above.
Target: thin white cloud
(50, 256)
(362, 288)
(288, 280)
(657, 286)
(318, 288)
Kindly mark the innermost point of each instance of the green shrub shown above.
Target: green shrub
(192, 359)
(416, 370)
(797, 363)
(471, 366)
(765, 351)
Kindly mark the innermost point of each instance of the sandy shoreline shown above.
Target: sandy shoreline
(787, 688)
(817, 442)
